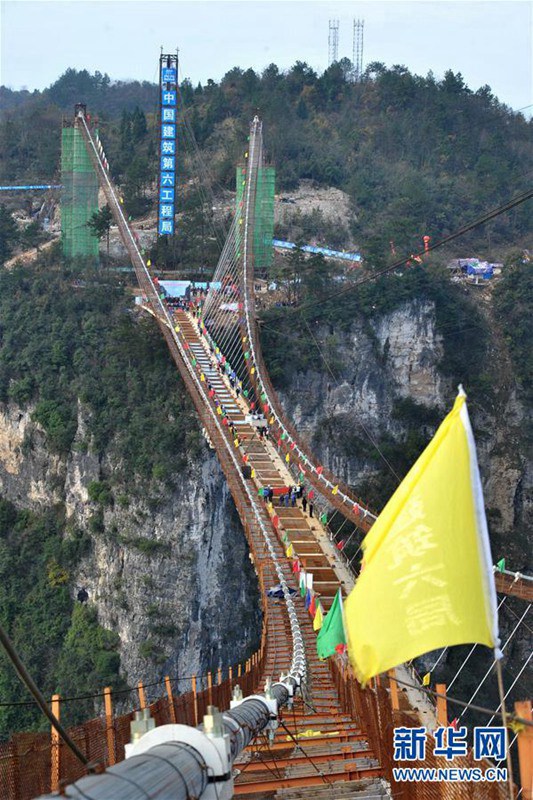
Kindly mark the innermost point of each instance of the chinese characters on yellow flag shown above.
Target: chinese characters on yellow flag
(427, 580)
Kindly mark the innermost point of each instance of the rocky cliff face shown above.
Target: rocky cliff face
(168, 570)
(344, 409)
(378, 365)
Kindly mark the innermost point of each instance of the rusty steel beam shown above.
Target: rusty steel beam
(304, 781)
(515, 586)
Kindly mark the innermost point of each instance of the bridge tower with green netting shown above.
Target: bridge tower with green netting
(263, 214)
(79, 199)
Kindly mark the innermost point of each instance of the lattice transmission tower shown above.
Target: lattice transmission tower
(333, 41)
(357, 59)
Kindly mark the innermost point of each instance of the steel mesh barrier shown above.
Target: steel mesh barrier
(371, 708)
(25, 766)
(121, 735)
(26, 760)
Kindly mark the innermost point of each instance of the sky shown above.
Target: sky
(488, 42)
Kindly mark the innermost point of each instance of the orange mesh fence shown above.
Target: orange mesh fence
(121, 729)
(372, 710)
(26, 763)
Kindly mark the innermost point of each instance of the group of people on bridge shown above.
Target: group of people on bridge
(288, 496)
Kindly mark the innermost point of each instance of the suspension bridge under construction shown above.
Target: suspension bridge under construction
(284, 725)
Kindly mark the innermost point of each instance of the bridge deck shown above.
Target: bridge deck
(319, 744)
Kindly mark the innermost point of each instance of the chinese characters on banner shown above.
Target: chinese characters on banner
(167, 144)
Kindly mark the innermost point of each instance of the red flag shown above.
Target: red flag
(340, 545)
(293, 445)
(454, 723)
(319, 470)
(311, 494)
(275, 520)
(340, 649)
(312, 606)
(296, 568)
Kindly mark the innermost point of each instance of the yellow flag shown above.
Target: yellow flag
(290, 551)
(335, 489)
(427, 582)
(287, 458)
(253, 473)
(148, 263)
(426, 679)
(317, 622)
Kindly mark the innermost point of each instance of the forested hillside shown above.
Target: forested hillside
(415, 154)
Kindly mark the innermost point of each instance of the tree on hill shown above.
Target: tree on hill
(100, 224)
(9, 234)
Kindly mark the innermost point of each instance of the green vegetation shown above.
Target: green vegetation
(70, 344)
(513, 299)
(100, 224)
(60, 642)
(100, 493)
(152, 652)
(416, 155)
(148, 546)
(9, 235)
(70, 337)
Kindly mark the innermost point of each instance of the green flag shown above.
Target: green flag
(302, 583)
(332, 631)
(324, 518)
(501, 565)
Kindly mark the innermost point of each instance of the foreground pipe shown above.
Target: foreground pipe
(180, 762)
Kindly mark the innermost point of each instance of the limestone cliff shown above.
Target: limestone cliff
(384, 380)
(168, 570)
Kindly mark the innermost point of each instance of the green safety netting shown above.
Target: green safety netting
(79, 199)
(263, 213)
